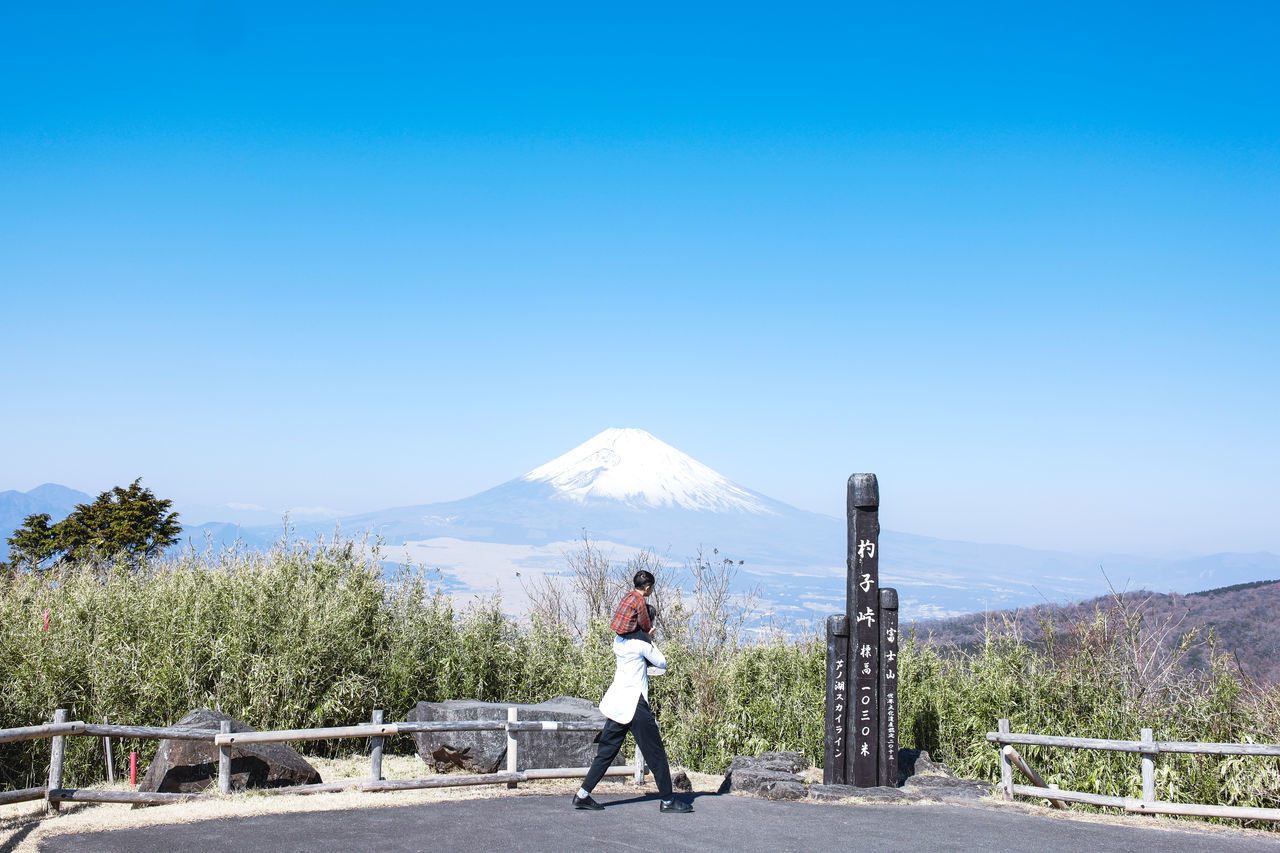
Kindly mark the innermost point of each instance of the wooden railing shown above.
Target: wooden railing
(375, 730)
(1148, 748)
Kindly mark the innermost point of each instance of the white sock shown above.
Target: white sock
(583, 793)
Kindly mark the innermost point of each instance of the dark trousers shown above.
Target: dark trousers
(645, 729)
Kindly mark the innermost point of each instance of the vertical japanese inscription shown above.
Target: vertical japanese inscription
(836, 745)
(888, 774)
(862, 595)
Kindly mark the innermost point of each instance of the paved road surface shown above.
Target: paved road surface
(743, 825)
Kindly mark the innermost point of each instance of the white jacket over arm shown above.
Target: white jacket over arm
(635, 661)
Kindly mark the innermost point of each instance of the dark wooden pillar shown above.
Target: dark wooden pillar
(862, 594)
(888, 774)
(836, 744)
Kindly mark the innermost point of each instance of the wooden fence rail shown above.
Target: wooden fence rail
(47, 730)
(22, 795)
(375, 730)
(1148, 748)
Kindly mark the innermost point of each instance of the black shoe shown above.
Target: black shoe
(586, 803)
(673, 805)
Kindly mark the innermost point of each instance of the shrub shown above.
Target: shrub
(316, 635)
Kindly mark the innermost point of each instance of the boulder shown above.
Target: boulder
(680, 782)
(791, 762)
(949, 788)
(782, 789)
(771, 775)
(486, 752)
(781, 762)
(917, 761)
(185, 766)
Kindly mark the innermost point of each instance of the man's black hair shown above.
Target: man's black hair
(642, 579)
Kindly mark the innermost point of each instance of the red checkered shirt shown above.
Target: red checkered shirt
(631, 614)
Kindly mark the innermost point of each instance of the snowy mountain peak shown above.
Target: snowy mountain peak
(632, 466)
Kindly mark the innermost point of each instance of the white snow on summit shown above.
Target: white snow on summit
(632, 466)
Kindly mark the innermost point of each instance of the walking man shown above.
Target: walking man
(626, 703)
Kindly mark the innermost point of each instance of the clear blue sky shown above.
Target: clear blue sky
(1021, 261)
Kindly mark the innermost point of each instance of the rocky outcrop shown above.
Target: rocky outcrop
(772, 775)
(185, 766)
(925, 778)
(486, 752)
(948, 788)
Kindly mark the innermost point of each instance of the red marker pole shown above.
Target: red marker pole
(46, 619)
(133, 769)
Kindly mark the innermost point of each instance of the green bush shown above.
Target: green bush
(1095, 683)
(309, 636)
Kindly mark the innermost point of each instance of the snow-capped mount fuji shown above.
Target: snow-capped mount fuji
(625, 486)
(633, 467)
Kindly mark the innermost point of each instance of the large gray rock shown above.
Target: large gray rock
(771, 775)
(486, 752)
(791, 762)
(948, 788)
(925, 778)
(184, 766)
(918, 761)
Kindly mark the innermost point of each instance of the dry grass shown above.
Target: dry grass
(23, 826)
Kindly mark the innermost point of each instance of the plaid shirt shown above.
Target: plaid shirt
(630, 614)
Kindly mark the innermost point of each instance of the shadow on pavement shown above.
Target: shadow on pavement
(654, 798)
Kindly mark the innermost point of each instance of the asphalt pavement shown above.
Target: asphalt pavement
(531, 824)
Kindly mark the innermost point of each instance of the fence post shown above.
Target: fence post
(1148, 767)
(224, 760)
(375, 751)
(108, 756)
(57, 752)
(1006, 769)
(511, 745)
(638, 778)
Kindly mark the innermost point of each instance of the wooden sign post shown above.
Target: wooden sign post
(862, 597)
(836, 744)
(888, 765)
(861, 745)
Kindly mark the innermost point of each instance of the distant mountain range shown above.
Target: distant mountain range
(631, 491)
(1242, 618)
(57, 501)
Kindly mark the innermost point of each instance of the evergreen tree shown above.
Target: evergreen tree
(124, 522)
(33, 544)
